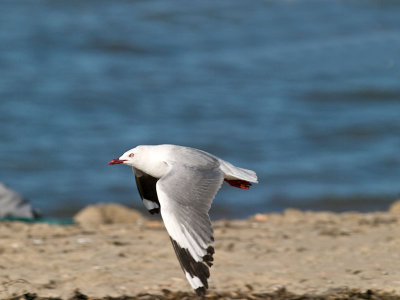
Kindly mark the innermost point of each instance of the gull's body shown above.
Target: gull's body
(181, 183)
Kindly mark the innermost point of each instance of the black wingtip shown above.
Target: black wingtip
(194, 268)
(201, 291)
(208, 258)
(154, 211)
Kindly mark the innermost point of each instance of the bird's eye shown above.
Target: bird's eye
(131, 155)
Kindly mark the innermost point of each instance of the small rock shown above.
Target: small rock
(108, 214)
(260, 217)
(154, 224)
(395, 208)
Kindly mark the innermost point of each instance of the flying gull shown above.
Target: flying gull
(180, 183)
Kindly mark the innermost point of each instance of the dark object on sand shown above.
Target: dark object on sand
(15, 205)
(280, 294)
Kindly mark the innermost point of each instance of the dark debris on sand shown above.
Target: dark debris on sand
(281, 294)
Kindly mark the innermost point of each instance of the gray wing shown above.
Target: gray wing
(146, 185)
(185, 195)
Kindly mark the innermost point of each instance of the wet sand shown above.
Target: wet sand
(318, 254)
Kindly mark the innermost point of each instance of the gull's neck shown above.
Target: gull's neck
(152, 160)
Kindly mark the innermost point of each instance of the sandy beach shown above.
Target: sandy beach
(313, 254)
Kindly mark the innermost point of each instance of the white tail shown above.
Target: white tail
(231, 172)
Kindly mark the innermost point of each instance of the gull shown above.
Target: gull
(180, 183)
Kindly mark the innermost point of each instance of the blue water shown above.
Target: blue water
(306, 93)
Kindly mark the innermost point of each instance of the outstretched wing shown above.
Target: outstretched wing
(185, 195)
(146, 185)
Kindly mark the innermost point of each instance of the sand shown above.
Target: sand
(312, 253)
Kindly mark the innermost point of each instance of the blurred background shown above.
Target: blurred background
(306, 93)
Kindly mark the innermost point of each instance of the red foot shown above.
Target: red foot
(242, 184)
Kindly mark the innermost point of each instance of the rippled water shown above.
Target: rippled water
(306, 93)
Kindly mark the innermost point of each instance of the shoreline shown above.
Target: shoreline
(299, 252)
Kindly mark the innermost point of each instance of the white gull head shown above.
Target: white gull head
(149, 159)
